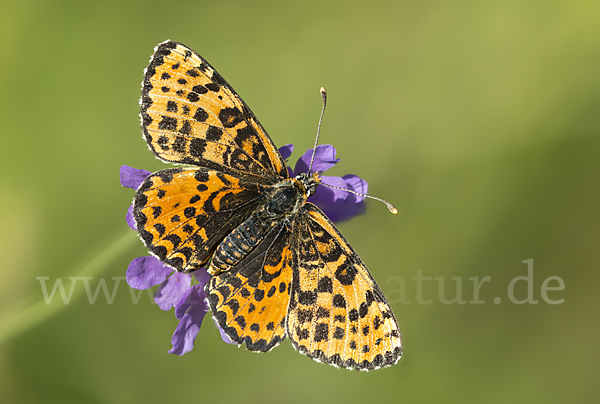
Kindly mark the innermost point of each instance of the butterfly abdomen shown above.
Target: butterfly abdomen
(240, 242)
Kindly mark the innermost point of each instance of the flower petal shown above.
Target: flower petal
(324, 194)
(338, 204)
(145, 272)
(187, 330)
(286, 151)
(324, 160)
(132, 177)
(129, 218)
(357, 184)
(345, 211)
(202, 277)
(193, 296)
(170, 292)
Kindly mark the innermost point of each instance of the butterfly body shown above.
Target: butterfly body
(279, 266)
(282, 201)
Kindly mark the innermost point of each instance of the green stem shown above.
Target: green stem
(36, 313)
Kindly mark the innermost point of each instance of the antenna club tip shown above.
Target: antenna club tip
(323, 93)
(391, 207)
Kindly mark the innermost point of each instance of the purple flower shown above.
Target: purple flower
(190, 311)
(286, 151)
(337, 204)
(177, 290)
(132, 178)
(324, 160)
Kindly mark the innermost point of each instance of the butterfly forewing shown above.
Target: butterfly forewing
(191, 115)
(337, 314)
(182, 214)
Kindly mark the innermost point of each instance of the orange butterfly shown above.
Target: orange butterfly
(278, 265)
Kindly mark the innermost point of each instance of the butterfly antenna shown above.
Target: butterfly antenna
(391, 207)
(324, 96)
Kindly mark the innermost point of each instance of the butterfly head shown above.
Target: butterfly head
(309, 182)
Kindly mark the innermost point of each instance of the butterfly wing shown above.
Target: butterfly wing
(337, 313)
(191, 115)
(182, 214)
(250, 301)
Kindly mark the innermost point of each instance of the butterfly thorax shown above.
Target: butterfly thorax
(283, 200)
(286, 197)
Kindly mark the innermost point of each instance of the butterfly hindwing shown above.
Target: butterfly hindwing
(250, 301)
(337, 313)
(191, 115)
(182, 214)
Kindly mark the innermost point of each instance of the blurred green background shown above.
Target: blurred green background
(479, 120)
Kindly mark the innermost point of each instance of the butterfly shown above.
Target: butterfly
(278, 265)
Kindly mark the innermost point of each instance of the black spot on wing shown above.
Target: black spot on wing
(259, 295)
(214, 87)
(345, 274)
(339, 301)
(230, 117)
(168, 123)
(325, 285)
(171, 105)
(322, 312)
(339, 333)
(307, 298)
(201, 115)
